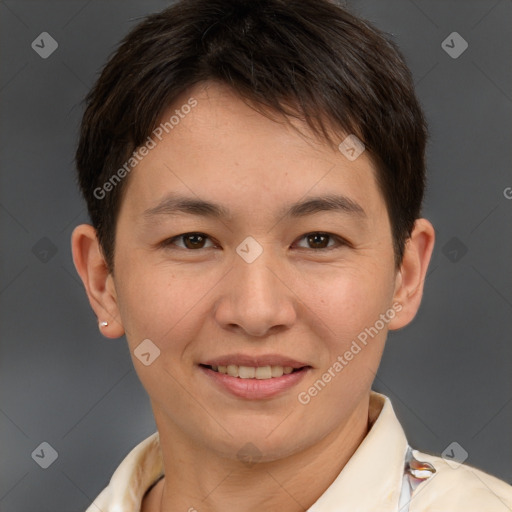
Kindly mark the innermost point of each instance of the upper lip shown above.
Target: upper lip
(254, 361)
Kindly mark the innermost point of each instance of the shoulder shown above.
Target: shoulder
(458, 487)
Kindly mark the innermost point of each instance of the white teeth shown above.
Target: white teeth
(277, 371)
(251, 372)
(233, 370)
(246, 372)
(263, 372)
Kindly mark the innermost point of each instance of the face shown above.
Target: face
(242, 244)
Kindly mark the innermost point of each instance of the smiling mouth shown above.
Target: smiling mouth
(252, 372)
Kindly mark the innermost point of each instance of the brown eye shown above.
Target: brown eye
(192, 241)
(320, 240)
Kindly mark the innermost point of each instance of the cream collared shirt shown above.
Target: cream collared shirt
(383, 475)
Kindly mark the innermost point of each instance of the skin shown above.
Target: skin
(296, 299)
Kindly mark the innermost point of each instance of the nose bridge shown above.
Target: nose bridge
(256, 299)
(256, 283)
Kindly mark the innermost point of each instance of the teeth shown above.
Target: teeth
(246, 372)
(250, 372)
(263, 372)
(233, 370)
(277, 371)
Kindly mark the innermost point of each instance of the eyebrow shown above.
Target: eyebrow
(175, 204)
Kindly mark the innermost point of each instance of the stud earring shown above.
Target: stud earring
(103, 324)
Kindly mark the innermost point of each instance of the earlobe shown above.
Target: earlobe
(410, 278)
(98, 281)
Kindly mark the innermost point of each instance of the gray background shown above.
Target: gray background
(448, 373)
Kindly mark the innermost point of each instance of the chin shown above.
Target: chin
(257, 446)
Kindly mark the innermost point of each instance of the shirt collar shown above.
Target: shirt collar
(377, 466)
(372, 478)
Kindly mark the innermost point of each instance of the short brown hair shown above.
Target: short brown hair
(309, 59)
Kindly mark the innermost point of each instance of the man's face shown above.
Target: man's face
(267, 280)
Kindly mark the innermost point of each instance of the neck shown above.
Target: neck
(197, 481)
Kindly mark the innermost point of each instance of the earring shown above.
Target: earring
(103, 324)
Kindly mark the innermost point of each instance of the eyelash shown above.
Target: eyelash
(338, 240)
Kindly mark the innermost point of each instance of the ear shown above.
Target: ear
(411, 276)
(98, 281)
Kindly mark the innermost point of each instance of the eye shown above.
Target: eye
(321, 240)
(193, 241)
(189, 241)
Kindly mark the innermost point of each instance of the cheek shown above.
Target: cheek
(150, 301)
(163, 303)
(347, 301)
(156, 305)
(345, 310)
(346, 307)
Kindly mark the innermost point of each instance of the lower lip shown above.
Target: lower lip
(254, 389)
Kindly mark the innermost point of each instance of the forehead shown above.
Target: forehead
(211, 144)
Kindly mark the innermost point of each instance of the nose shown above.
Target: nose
(256, 299)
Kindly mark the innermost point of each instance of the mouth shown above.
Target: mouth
(256, 379)
(254, 372)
